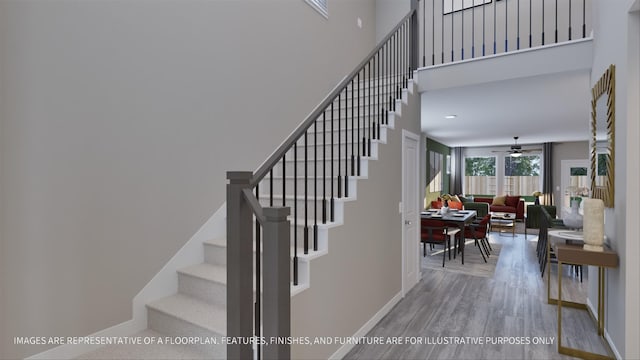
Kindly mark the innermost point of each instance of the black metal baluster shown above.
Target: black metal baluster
(388, 77)
(370, 85)
(324, 161)
(433, 31)
(324, 171)
(543, 22)
(315, 177)
(271, 187)
(494, 28)
(569, 20)
(556, 31)
(378, 103)
(530, 24)
(284, 184)
(358, 126)
(452, 16)
(462, 32)
(506, 28)
(584, 19)
(295, 213)
(339, 145)
(483, 29)
(306, 198)
(473, 28)
(353, 128)
(346, 139)
(257, 303)
(518, 26)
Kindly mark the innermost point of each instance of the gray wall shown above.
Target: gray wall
(612, 28)
(388, 14)
(119, 121)
(363, 269)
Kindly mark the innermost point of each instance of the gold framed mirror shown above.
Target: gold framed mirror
(603, 137)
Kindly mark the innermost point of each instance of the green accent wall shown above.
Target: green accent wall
(438, 148)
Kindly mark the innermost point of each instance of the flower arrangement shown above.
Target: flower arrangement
(537, 193)
(446, 198)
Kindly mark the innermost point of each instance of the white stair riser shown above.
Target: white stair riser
(208, 291)
(215, 255)
(176, 327)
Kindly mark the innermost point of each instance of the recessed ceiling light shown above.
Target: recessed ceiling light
(451, 116)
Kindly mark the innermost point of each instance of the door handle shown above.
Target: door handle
(407, 222)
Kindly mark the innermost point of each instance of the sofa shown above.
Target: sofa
(484, 205)
(512, 204)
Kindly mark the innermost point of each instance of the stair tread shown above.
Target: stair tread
(145, 351)
(205, 315)
(217, 242)
(206, 271)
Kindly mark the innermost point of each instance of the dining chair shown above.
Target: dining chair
(478, 232)
(434, 232)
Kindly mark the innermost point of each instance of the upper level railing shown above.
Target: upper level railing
(454, 30)
(303, 178)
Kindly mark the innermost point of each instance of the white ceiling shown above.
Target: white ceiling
(538, 109)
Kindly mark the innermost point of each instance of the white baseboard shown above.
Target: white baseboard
(344, 349)
(612, 345)
(164, 283)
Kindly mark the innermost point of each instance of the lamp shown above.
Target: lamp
(516, 154)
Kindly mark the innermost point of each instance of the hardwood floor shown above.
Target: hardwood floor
(510, 307)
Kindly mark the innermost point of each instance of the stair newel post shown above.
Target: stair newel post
(358, 125)
(239, 264)
(324, 171)
(277, 288)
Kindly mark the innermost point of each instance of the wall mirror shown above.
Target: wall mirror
(603, 137)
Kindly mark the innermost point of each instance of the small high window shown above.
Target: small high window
(320, 6)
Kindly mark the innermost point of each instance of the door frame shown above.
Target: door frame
(407, 284)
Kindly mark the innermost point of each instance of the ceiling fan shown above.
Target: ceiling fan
(516, 150)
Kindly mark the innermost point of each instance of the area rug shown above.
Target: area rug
(473, 263)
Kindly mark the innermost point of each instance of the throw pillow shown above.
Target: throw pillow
(512, 201)
(456, 205)
(499, 200)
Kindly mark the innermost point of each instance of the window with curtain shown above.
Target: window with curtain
(480, 175)
(522, 174)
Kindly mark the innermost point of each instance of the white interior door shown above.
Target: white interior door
(410, 210)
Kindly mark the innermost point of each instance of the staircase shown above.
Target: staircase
(198, 309)
(315, 174)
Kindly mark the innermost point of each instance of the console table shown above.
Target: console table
(575, 254)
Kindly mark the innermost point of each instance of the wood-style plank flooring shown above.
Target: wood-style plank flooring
(511, 306)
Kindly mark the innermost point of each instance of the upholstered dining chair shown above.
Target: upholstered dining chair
(478, 232)
(434, 232)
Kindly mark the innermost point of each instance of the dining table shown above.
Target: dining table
(453, 218)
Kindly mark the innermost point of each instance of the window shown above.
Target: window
(435, 171)
(480, 175)
(521, 174)
(320, 6)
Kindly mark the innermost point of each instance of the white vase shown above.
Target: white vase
(444, 210)
(572, 219)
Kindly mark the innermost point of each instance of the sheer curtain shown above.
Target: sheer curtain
(547, 174)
